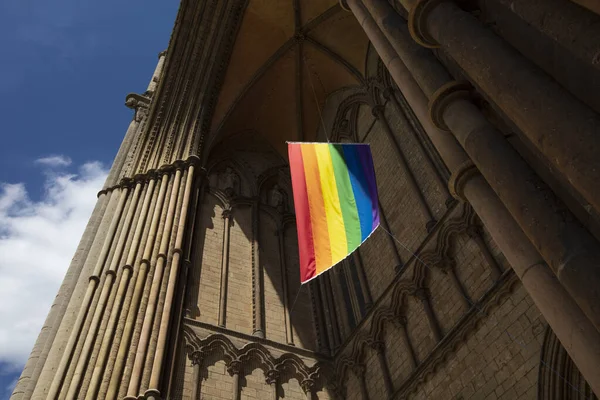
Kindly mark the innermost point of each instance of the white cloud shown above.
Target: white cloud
(54, 161)
(10, 387)
(37, 241)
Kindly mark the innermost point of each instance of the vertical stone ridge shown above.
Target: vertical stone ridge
(134, 262)
(140, 356)
(159, 355)
(127, 268)
(90, 337)
(137, 295)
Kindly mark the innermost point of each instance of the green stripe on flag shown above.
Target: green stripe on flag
(346, 197)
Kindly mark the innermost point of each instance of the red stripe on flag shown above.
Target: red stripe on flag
(303, 220)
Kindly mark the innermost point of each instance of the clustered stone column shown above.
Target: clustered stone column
(515, 184)
(117, 305)
(138, 290)
(131, 247)
(142, 346)
(111, 274)
(167, 307)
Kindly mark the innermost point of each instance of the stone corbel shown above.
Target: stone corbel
(139, 103)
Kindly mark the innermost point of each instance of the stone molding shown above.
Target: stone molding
(452, 341)
(558, 373)
(370, 333)
(443, 97)
(127, 182)
(417, 23)
(460, 177)
(275, 368)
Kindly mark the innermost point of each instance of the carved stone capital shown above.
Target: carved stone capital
(358, 369)
(126, 183)
(196, 358)
(446, 264)
(308, 385)
(234, 367)
(461, 176)
(162, 54)
(226, 213)
(179, 165)
(417, 23)
(443, 97)
(421, 294)
(271, 376)
(195, 161)
(474, 231)
(401, 320)
(152, 394)
(388, 92)
(378, 111)
(134, 100)
(378, 346)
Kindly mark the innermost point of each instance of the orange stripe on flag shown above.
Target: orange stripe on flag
(317, 208)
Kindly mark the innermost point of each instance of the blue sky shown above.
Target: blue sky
(66, 68)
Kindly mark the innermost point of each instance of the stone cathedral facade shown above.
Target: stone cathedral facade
(483, 281)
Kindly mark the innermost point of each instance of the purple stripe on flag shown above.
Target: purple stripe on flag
(364, 153)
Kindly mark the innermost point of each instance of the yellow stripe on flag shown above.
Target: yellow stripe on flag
(333, 210)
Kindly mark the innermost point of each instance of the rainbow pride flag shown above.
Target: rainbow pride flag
(335, 197)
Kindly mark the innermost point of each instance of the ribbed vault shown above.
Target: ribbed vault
(286, 60)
